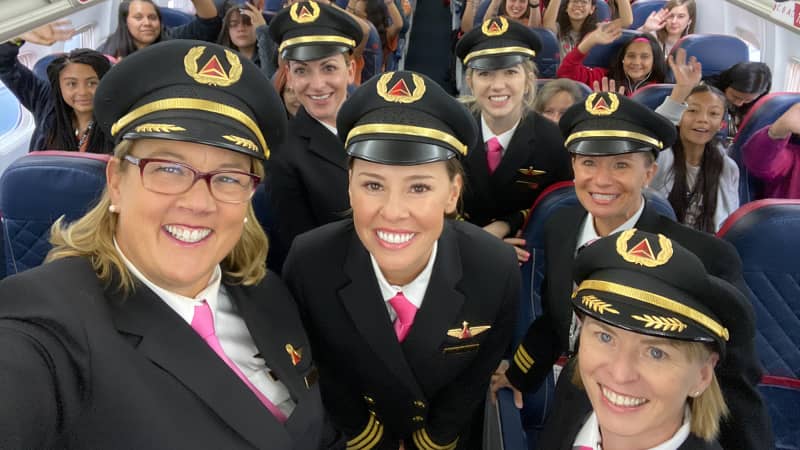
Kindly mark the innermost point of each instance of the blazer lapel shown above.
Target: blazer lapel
(478, 171)
(363, 301)
(442, 302)
(322, 142)
(170, 343)
(515, 155)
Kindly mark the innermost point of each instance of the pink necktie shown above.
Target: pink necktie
(203, 324)
(405, 315)
(494, 153)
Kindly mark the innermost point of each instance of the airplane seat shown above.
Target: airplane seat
(174, 17)
(536, 405)
(480, 12)
(585, 90)
(653, 95)
(549, 57)
(764, 233)
(716, 52)
(603, 11)
(40, 67)
(37, 189)
(765, 112)
(603, 55)
(262, 209)
(642, 10)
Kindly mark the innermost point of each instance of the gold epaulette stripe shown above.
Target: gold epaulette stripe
(523, 359)
(372, 434)
(659, 301)
(525, 214)
(424, 442)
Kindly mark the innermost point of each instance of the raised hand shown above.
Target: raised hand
(788, 122)
(686, 72)
(605, 33)
(60, 30)
(655, 21)
(607, 85)
(251, 11)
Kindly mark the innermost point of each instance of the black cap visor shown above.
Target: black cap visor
(398, 152)
(313, 52)
(609, 147)
(496, 62)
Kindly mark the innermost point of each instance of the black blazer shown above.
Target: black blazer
(548, 337)
(571, 407)
(432, 382)
(507, 194)
(83, 368)
(308, 181)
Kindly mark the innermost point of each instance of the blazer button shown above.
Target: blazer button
(370, 401)
(417, 419)
(419, 404)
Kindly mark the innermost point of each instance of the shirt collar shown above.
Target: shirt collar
(328, 127)
(589, 234)
(504, 138)
(183, 306)
(413, 291)
(589, 435)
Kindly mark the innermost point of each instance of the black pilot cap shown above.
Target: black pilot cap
(611, 124)
(405, 118)
(191, 91)
(498, 44)
(649, 284)
(306, 31)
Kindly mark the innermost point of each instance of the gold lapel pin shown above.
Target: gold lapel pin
(466, 331)
(295, 354)
(531, 172)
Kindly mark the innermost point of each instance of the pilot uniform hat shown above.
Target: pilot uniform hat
(405, 118)
(607, 123)
(498, 44)
(191, 91)
(649, 284)
(306, 31)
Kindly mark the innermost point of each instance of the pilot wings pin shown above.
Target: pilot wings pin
(466, 331)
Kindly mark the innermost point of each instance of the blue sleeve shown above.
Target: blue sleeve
(31, 91)
(199, 28)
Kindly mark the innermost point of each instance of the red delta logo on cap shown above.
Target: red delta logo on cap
(597, 105)
(642, 253)
(212, 72)
(495, 26)
(400, 92)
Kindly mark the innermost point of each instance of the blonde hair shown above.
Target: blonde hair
(528, 97)
(92, 237)
(708, 408)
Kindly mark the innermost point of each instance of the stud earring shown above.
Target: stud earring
(112, 209)
(695, 394)
(245, 220)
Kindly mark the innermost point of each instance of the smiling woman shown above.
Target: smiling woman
(410, 311)
(654, 326)
(161, 286)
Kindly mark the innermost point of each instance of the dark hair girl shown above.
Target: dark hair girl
(139, 24)
(743, 85)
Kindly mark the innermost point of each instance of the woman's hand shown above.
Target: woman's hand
(605, 33)
(655, 21)
(687, 74)
(500, 381)
(251, 11)
(60, 30)
(519, 247)
(788, 122)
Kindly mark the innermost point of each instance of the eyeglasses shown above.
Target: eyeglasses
(170, 177)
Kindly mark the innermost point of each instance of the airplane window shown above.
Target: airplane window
(10, 111)
(82, 39)
(793, 75)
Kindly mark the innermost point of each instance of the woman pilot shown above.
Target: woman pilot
(654, 325)
(614, 143)
(519, 152)
(154, 322)
(408, 311)
(309, 173)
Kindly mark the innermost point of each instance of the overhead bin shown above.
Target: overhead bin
(17, 16)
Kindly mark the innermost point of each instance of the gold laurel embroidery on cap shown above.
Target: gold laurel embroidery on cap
(242, 142)
(495, 26)
(212, 72)
(399, 92)
(597, 305)
(661, 323)
(158, 128)
(642, 253)
(300, 14)
(599, 107)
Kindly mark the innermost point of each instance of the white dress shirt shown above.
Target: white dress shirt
(232, 332)
(504, 138)
(589, 234)
(413, 291)
(589, 435)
